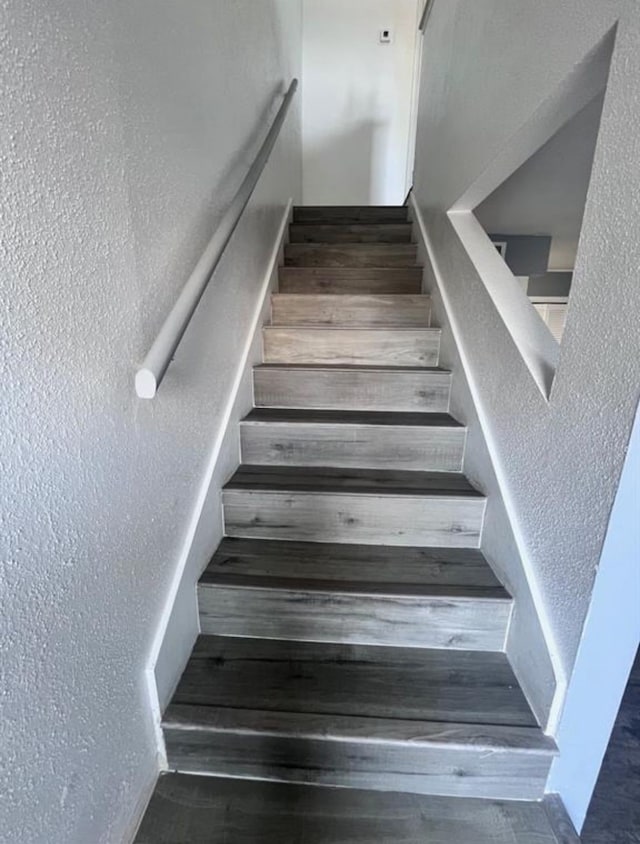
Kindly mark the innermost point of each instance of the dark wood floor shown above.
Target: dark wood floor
(207, 810)
(614, 815)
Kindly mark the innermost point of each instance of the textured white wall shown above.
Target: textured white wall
(125, 129)
(357, 94)
(487, 68)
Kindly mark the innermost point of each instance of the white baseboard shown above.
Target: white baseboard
(164, 668)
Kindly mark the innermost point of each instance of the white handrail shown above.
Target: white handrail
(425, 15)
(152, 371)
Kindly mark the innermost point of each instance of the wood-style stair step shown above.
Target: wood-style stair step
(350, 255)
(203, 810)
(443, 598)
(354, 233)
(350, 310)
(390, 719)
(378, 346)
(353, 439)
(353, 505)
(341, 280)
(350, 214)
(352, 388)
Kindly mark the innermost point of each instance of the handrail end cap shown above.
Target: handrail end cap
(146, 385)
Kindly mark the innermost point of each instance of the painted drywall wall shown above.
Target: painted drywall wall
(607, 650)
(357, 100)
(547, 194)
(526, 645)
(490, 69)
(126, 129)
(177, 632)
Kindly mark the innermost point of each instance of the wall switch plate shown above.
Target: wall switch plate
(386, 36)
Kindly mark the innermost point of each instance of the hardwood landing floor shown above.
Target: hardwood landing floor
(206, 810)
(614, 815)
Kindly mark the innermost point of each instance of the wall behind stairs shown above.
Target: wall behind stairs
(126, 128)
(488, 67)
(358, 115)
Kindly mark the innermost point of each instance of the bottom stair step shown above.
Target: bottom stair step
(202, 810)
(390, 719)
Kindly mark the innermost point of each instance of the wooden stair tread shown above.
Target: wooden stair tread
(350, 214)
(354, 568)
(345, 367)
(384, 232)
(351, 254)
(302, 416)
(359, 481)
(201, 810)
(378, 692)
(379, 330)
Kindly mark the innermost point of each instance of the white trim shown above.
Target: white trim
(532, 338)
(536, 593)
(154, 700)
(415, 102)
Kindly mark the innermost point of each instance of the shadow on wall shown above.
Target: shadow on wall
(350, 162)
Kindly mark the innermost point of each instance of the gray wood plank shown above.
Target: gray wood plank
(289, 415)
(420, 757)
(350, 310)
(448, 520)
(352, 388)
(351, 346)
(350, 233)
(309, 441)
(447, 568)
(350, 280)
(350, 214)
(364, 481)
(319, 612)
(204, 810)
(405, 684)
(350, 255)
(561, 824)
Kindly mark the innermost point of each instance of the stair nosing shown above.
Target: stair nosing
(241, 721)
(352, 367)
(350, 328)
(361, 589)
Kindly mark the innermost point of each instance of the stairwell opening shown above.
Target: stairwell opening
(521, 220)
(534, 218)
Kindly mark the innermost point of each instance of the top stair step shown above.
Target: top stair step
(351, 233)
(350, 214)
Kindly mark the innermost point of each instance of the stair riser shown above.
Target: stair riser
(429, 449)
(374, 233)
(299, 615)
(346, 310)
(352, 390)
(449, 771)
(310, 255)
(448, 521)
(355, 347)
(354, 280)
(350, 215)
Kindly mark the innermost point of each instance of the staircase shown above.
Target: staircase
(352, 633)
